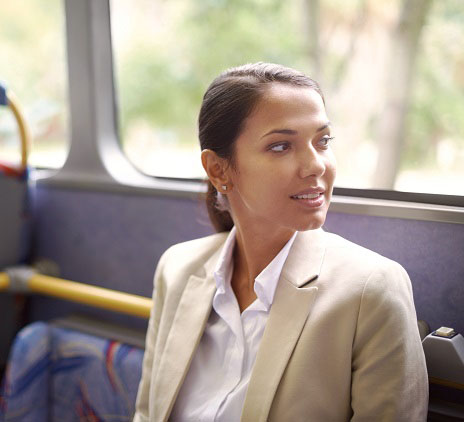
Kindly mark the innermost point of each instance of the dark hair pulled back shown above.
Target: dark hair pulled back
(228, 101)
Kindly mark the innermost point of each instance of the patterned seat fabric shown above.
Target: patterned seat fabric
(57, 374)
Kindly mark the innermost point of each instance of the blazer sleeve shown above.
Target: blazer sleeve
(143, 394)
(389, 374)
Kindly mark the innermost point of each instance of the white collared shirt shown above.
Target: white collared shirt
(216, 383)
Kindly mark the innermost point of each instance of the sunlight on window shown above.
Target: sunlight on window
(32, 66)
(394, 93)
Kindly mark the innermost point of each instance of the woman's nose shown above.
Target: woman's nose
(311, 163)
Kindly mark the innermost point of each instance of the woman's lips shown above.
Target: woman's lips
(310, 200)
(310, 191)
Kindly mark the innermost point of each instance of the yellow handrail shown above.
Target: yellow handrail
(4, 281)
(86, 294)
(23, 128)
(446, 383)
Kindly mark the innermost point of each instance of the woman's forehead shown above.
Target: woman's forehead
(282, 103)
(278, 93)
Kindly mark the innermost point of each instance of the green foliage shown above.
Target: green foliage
(33, 66)
(163, 74)
(437, 105)
(164, 85)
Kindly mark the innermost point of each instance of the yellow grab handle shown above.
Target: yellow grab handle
(91, 295)
(86, 294)
(4, 281)
(23, 128)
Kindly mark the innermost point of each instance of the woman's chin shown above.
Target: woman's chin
(313, 222)
(312, 225)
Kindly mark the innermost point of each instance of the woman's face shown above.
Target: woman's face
(284, 167)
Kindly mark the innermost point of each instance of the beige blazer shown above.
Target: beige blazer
(341, 342)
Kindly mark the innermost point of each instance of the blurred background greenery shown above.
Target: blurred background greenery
(33, 66)
(392, 73)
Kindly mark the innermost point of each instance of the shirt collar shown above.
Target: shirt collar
(267, 280)
(224, 266)
(265, 283)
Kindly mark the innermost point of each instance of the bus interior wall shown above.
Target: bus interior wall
(114, 240)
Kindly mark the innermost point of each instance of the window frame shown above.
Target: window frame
(96, 160)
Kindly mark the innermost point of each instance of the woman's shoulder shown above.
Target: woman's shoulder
(367, 267)
(202, 245)
(190, 255)
(349, 251)
(363, 264)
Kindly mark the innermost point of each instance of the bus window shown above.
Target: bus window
(395, 92)
(33, 67)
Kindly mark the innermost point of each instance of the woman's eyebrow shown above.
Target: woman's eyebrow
(282, 131)
(323, 127)
(293, 132)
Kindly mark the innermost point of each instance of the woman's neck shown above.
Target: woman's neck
(253, 252)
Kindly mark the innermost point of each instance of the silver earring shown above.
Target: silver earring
(224, 187)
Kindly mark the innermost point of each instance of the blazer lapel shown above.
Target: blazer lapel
(289, 312)
(187, 328)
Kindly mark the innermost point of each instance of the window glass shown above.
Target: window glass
(392, 74)
(32, 66)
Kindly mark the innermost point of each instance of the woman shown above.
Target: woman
(273, 318)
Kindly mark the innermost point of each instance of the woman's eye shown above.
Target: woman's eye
(279, 147)
(325, 140)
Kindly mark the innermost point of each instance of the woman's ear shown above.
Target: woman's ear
(216, 169)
